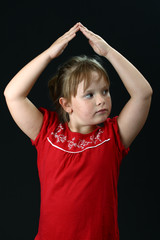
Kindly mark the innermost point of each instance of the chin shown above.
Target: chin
(100, 123)
(103, 119)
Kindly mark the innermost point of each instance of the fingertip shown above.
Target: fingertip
(78, 24)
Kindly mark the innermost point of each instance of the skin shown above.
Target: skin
(84, 108)
(131, 118)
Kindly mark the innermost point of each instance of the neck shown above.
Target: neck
(81, 129)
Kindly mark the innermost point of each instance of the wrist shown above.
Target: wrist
(109, 52)
(49, 55)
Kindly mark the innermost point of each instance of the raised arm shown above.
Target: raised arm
(25, 114)
(135, 112)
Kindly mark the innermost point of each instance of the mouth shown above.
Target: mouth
(101, 111)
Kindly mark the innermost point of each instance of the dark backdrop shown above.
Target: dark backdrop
(27, 29)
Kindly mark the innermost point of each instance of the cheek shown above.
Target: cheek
(109, 102)
(79, 107)
(86, 109)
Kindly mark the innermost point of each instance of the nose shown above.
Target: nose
(100, 100)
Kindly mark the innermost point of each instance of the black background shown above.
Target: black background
(27, 29)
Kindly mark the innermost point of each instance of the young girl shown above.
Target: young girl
(79, 159)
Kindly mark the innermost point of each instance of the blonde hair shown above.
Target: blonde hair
(69, 75)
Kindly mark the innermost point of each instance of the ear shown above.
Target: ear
(66, 105)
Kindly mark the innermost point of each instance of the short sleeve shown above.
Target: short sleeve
(114, 131)
(50, 120)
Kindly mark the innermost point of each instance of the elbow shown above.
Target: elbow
(12, 95)
(144, 93)
(148, 95)
(9, 93)
(6, 93)
(149, 92)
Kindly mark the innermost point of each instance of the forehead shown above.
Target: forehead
(97, 80)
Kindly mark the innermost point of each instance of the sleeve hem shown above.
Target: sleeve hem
(43, 111)
(125, 150)
(121, 148)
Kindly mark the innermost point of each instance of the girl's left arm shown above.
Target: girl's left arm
(134, 114)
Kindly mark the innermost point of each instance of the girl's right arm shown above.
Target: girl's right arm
(23, 111)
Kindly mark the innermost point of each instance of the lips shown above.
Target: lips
(102, 111)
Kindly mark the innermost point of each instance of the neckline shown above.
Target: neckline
(81, 134)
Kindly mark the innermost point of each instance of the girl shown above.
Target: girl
(79, 160)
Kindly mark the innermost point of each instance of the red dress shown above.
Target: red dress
(78, 177)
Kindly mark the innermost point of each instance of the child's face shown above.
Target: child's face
(92, 106)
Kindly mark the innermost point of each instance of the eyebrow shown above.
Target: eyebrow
(88, 90)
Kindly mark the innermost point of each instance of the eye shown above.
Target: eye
(89, 95)
(105, 92)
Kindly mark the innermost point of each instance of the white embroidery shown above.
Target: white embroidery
(77, 151)
(58, 136)
(81, 144)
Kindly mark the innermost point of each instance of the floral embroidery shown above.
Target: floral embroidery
(81, 144)
(58, 136)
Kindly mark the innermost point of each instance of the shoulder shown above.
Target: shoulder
(112, 129)
(50, 121)
(48, 113)
(49, 116)
(111, 123)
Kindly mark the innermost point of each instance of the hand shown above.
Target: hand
(97, 43)
(61, 43)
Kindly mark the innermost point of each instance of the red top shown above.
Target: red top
(78, 177)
